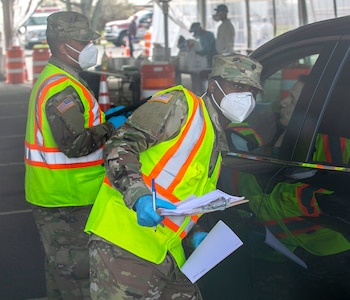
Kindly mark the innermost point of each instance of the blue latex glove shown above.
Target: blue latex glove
(113, 109)
(117, 121)
(197, 238)
(146, 216)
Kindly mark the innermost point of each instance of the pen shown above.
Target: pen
(154, 200)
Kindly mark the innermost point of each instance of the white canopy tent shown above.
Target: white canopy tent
(248, 16)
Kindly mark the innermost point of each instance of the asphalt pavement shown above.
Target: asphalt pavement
(21, 254)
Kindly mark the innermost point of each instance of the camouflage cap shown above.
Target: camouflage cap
(65, 25)
(237, 68)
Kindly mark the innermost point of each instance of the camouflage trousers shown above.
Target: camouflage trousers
(67, 256)
(119, 275)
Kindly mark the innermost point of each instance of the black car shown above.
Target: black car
(295, 174)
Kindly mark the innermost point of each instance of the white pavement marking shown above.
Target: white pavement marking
(14, 212)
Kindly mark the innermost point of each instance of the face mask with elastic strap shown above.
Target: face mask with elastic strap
(235, 106)
(87, 56)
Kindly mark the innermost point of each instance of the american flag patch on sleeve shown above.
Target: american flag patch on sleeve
(165, 98)
(65, 105)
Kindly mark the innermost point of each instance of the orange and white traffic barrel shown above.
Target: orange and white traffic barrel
(147, 42)
(15, 65)
(155, 78)
(103, 96)
(41, 55)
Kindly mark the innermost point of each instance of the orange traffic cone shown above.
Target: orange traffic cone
(147, 40)
(127, 48)
(103, 96)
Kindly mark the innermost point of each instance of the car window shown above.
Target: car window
(315, 62)
(274, 108)
(332, 139)
(36, 20)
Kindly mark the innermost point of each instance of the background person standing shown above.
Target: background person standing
(65, 135)
(207, 41)
(226, 32)
(132, 30)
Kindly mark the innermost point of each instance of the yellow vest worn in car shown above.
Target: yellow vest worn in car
(332, 149)
(180, 168)
(52, 179)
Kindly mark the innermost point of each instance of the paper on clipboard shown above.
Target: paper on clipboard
(212, 201)
(220, 242)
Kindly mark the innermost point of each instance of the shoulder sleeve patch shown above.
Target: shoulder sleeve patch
(165, 98)
(64, 105)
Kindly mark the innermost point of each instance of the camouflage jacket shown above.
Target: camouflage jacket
(152, 123)
(67, 127)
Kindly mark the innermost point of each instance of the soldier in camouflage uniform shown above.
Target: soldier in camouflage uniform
(66, 131)
(175, 139)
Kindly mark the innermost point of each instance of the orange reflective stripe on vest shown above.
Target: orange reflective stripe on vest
(307, 200)
(334, 148)
(169, 171)
(39, 154)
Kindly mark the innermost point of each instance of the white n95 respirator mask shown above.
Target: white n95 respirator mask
(87, 56)
(236, 106)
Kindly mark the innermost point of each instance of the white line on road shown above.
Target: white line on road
(14, 212)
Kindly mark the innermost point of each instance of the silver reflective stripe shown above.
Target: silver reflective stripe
(54, 158)
(173, 166)
(178, 220)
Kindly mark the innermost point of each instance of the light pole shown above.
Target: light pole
(165, 8)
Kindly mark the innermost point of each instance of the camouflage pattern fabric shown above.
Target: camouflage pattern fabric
(69, 25)
(67, 125)
(237, 68)
(163, 281)
(67, 257)
(166, 115)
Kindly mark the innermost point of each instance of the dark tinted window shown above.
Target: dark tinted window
(332, 140)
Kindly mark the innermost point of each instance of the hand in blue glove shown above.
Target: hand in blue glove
(117, 121)
(146, 216)
(197, 238)
(113, 109)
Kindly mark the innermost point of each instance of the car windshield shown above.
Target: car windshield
(37, 20)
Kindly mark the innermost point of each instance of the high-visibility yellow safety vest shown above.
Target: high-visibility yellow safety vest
(332, 149)
(180, 168)
(243, 136)
(52, 179)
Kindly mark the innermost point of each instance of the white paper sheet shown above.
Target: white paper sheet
(220, 242)
(214, 200)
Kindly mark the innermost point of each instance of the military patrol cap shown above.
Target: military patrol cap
(237, 68)
(66, 25)
(195, 26)
(221, 7)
